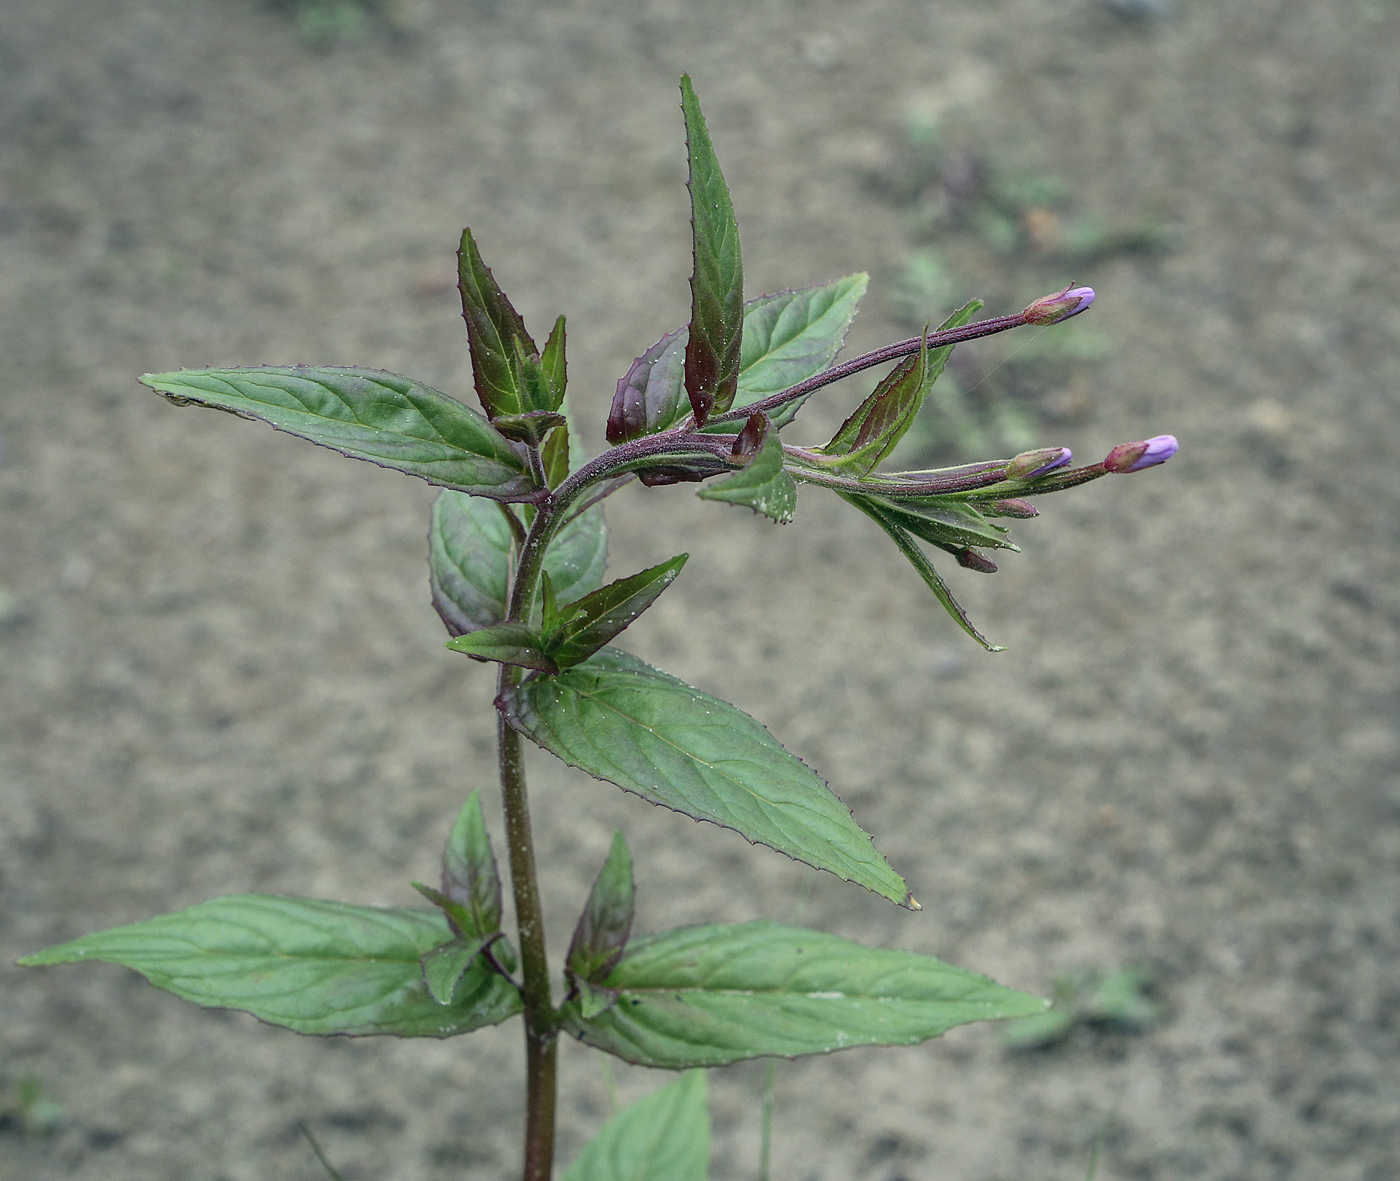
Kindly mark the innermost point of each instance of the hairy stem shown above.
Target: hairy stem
(890, 352)
(541, 1035)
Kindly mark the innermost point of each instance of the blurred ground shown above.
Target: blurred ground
(219, 670)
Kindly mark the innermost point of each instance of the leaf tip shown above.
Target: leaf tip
(911, 903)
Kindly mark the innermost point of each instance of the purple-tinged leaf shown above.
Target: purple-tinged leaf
(469, 873)
(507, 368)
(877, 424)
(649, 397)
(597, 618)
(445, 966)
(606, 922)
(713, 351)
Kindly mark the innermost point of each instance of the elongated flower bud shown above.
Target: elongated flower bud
(1030, 464)
(971, 559)
(1051, 309)
(1133, 457)
(1022, 509)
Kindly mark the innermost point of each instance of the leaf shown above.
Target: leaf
(919, 560)
(662, 1137)
(501, 348)
(506, 643)
(624, 721)
(764, 485)
(470, 876)
(712, 352)
(389, 420)
(707, 996)
(469, 545)
(949, 524)
(553, 364)
(445, 966)
(606, 921)
(555, 457)
(530, 427)
(878, 423)
(794, 335)
(598, 617)
(315, 967)
(648, 397)
(786, 338)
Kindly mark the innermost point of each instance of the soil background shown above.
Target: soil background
(219, 670)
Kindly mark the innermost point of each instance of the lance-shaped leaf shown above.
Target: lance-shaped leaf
(315, 967)
(469, 545)
(552, 365)
(794, 335)
(649, 397)
(949, 524)
(606, 921)
(706, 996)
(877, 424)
(469, 873)
(919, 560)
(445, 966)
(506, 643)
(390, 420)
(507, 368)
(713, 350)
(764, 485)
(662, 1137)
(596, 618)
(555, 456)
(621, 720)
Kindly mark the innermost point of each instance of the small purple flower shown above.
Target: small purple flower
(1030, 464)
(1133, 457)
(1051, 309)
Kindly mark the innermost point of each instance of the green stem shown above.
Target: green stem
(541, 1034)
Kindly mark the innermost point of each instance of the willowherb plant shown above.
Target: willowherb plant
(517, 560)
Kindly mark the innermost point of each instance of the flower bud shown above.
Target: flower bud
(1051, 309)
(1030, 464)
(1133, 457)
(1021, 509)
(971, 559)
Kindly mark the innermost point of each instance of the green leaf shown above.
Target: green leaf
(877, 424)
(949, 524)
(389, 420)
(648, 397)
(506, 366)
(553, 365)
(555, 457)
(794, 335)
(315, 967)
(706, 996)
(529, 428)
(919, 560)
(597, 617)
(606, 921)
(469, 873)
(764, 485)
(593, 1000)
(506, 643)
(713, 351)
(663, 1137)
(469, 546)
(786, 338)
(624, 721)
(445, 966)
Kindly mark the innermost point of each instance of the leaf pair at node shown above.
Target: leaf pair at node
(570, 634)
(521, 388)
(470, 900)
